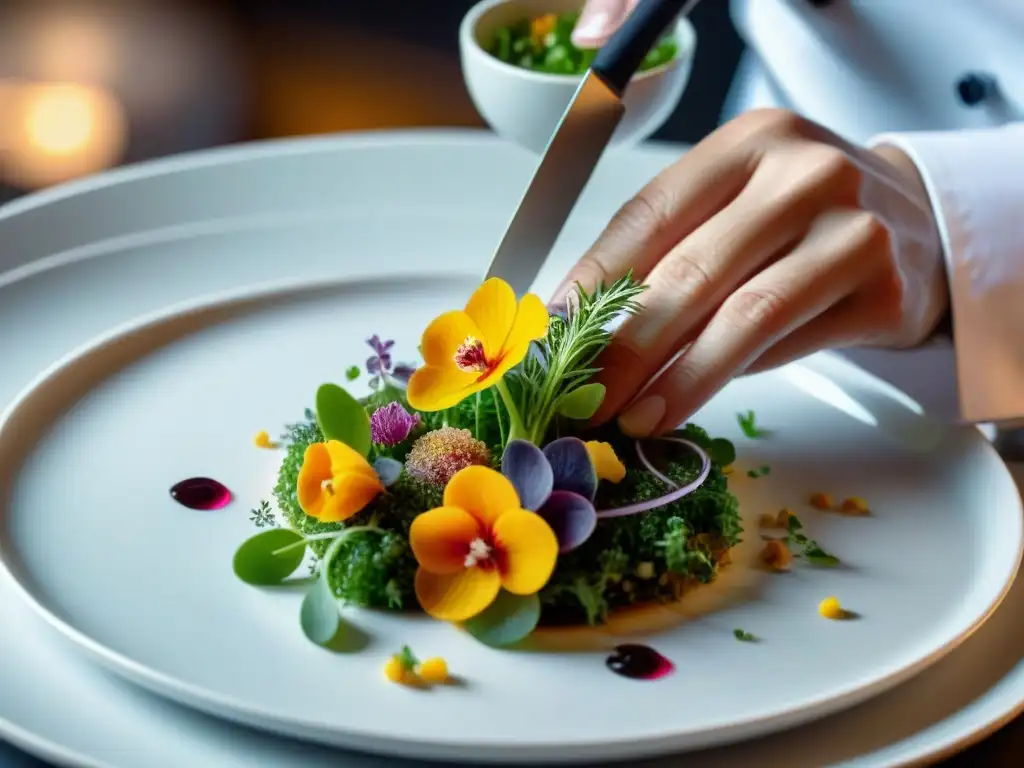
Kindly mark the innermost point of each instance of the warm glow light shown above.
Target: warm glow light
(54, 132)
(61, 119)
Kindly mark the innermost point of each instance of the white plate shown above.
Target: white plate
(146, 586)
(66, 710)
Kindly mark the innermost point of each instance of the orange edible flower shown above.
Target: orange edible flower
(480, 541)
(467, 351)
(335, 482)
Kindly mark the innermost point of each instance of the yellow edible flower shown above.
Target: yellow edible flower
(262, 439)
(606, 463)
(433, 671)
(468, 350)
(335, 482)
(829, 608)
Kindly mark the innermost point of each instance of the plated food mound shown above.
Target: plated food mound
(471, 488)
(544, 44)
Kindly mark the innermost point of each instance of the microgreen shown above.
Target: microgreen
(761, 471)
(352, 373)
(581, 403)
(341, 417)
(807, 548)
(407, 658)
(748, 424)
(270, 557)
(721, 451)
(743, 637)
(507, 620)
(263, 515)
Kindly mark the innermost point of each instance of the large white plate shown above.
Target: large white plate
(62, 708)
(93, 538)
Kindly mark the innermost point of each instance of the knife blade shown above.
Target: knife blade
(576, 146)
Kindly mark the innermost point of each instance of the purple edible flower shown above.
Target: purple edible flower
(558, 483)
(379, 364)
(391, 424)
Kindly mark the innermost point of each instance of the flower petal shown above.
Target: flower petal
(572, 467)
(607, 465)
(456, 596)
(529, 471)
(483, 492)
(572, 518)
(316, 467)
(493, 308)
(434, 388)
(440, 538)
(387, 469)
(529, 550)
(346, 460)
(443, 337)
(351, 492)
(531, 324)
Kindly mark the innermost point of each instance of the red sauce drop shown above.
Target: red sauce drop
(639, 663)
(201, 493)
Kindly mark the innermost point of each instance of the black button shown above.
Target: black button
(975, 87)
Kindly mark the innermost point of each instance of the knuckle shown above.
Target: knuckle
(647, 212)
(761, 308)
(686, 275)
(769, 120)
(869, 235)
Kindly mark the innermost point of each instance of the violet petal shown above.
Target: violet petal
(373, 364)
(403, 372)
(572, 467)
(527, 468)
(571, 517)
(387, 469)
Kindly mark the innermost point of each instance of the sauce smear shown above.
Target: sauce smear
(201, 493)
(639, 662)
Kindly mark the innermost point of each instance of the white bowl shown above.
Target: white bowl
(525, 106)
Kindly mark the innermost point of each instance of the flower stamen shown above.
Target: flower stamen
(479, 553)
(327, 486)
(470, 356)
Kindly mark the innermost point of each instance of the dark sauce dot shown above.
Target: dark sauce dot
(638, 662)
(201, 493)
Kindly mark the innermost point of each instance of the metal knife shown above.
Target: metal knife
(577, 144)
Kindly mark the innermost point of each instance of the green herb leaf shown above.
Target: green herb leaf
(582, 402)
(507, 620)
(270, 557)
(352, 373)
(722, 451)
(342, 417)
(319, 613)
(407, 658)
(749, 425)
(743, 637)
(807, 548)
(759, 472)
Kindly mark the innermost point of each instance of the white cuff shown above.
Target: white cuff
(975, 181)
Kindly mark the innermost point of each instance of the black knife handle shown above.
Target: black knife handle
(620, 58)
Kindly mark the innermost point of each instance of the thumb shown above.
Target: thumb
(598, 20)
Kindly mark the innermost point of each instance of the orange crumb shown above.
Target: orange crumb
(776, 555)
(821, 501)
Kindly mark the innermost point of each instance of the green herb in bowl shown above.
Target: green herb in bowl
(544, 44)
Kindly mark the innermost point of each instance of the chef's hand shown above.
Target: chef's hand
(598, 19)
(769, 240)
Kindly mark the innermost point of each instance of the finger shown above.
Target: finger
(773, 212)
(833, 262)
(598, 20)
(670, 207)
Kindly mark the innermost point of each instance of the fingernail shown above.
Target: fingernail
(644, 417)
(591, 29)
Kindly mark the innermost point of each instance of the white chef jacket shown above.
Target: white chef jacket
(888, 71)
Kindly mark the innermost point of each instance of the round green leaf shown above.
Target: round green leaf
(319, 613)
(342, 417)
(508, 620)
(260, 561)
(582, 402)
(722, 452)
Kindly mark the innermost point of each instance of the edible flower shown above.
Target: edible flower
(466, 351)
(436, 456)
(379, 364)
(335, 482)
(479, 541)
(391, 424)
(606, 463)
(558, 483)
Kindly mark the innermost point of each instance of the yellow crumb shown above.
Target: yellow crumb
(727, 470)
(829, 608)
(854, 506)
(394, 670)
(782, 519)
(776, 555)
(262, 440)
(433, 671)
(821, 501)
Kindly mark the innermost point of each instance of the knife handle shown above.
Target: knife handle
(620, 58)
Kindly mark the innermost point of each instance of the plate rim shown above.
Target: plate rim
(638, 745)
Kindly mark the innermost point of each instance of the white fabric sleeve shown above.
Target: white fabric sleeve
(975, 181)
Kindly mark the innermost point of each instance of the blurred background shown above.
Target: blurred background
(87, 85)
